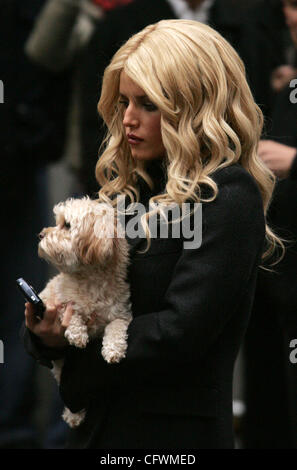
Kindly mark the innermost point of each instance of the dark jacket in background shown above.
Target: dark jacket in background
(32, 121)
(32, 117)
(262, 50)
(271, 379)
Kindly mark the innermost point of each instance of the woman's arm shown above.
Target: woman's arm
(62, 29)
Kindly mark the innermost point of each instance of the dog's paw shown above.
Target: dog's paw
(73, 419)
(111, 355)
(78, 340)
(57, 369)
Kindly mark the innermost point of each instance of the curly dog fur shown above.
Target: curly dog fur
(92, 259)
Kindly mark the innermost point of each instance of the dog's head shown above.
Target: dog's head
(84, 235)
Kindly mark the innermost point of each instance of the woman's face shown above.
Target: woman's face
(141, 120)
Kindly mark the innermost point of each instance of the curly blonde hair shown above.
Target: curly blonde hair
(209, 119)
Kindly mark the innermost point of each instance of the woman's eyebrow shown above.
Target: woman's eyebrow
(137, 96)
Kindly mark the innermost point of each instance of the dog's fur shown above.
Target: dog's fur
(93, 262)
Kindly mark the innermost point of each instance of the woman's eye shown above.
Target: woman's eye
(67, 225)
(124, 103)
(150, 107)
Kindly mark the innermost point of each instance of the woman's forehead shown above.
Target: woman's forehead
(129, 87)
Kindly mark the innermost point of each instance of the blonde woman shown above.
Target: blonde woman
(183, 128)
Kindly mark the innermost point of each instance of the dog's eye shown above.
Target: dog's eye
(67, 225)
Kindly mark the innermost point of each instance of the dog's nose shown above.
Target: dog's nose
(41, 235)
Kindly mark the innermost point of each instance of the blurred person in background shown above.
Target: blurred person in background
(32, 135)
(286, 72)
(271, 378)
(62, 31)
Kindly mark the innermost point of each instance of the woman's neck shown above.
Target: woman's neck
(156, 170)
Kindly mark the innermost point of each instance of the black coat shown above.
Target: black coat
(190, 309)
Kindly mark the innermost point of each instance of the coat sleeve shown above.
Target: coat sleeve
(34, 347)
(206, 288)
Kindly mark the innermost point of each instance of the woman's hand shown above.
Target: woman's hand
(282, 76)
(50, 329)
(278, 157)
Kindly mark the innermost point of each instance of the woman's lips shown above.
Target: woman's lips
(133, 139)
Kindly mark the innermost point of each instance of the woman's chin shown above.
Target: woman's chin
(144, 156)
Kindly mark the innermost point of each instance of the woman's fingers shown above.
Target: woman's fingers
(52, 326)
(30, 318)
(51, 314)
(67, 315)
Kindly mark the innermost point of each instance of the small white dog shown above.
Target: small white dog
(92, 259)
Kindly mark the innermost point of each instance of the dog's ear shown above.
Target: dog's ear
(98, 243)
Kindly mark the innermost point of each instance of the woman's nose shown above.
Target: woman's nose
(130, 118)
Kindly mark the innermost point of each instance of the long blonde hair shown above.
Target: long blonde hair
(209, 119)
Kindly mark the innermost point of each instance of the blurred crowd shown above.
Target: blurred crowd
(53, 54)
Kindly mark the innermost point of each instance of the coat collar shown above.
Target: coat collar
(157, 171)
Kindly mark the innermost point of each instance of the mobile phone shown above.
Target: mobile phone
(31, 296)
